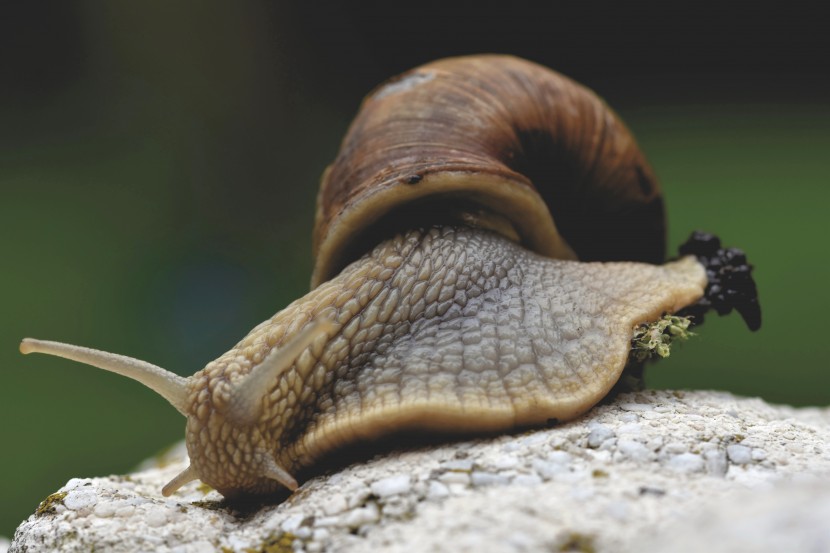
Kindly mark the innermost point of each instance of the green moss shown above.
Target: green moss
(656, 338)
(48, 505)
(209, 505)
(282, 543)
(581, 543)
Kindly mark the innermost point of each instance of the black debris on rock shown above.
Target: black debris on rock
(730, 281)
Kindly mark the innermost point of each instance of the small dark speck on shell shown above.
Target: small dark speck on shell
(413, 179)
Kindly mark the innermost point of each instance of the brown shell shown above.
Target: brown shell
(496, 135)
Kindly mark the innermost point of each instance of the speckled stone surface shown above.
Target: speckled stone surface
(653, 471)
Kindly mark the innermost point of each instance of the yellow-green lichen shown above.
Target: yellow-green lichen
(580, 543)
(282, 543)
(655, 338)
(209, 505)
(49, 505)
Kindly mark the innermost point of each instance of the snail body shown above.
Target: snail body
(438, 301)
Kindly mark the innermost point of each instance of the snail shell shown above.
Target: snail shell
(437, 302)
(492, 134)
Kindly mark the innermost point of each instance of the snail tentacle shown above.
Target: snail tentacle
(271, 469)
(245, 405)
(168, 385)
(187, 475)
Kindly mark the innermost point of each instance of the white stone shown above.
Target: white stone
(357, 494)
(80, 499)
(675, 447)
(437, 490)
(397, 506)
(104, 511)
(716, 463)
(455, 478)
(633, 450)
(393, 485)
(739, 454)
(548, 469)
(686, 462)
(630, 429)
(526, 480)
(200, 546)
(505, 462)
(532, 440)
(636, 407)
(562, 458)
(783, 517)
(157, 518)
(363, 515)
(303, 532)
(629, 417)
(662, 482)
(292, 522)
(481, 478)
(654, 443)
(598, 434)
(458, 465)
(335, 504)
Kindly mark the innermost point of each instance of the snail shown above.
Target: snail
(486, 242)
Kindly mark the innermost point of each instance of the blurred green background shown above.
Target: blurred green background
(159, 163)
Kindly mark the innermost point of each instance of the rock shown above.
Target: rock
(791, 517)
(739, 454)
(392, 485)
(685, 462)
(653, 471)
(598, 434)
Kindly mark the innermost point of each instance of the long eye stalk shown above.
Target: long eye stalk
(246, 397)
(168, 385)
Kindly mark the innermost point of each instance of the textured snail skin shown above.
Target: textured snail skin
(451, 329)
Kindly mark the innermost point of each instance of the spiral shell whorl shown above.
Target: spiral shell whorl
(496, 133)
